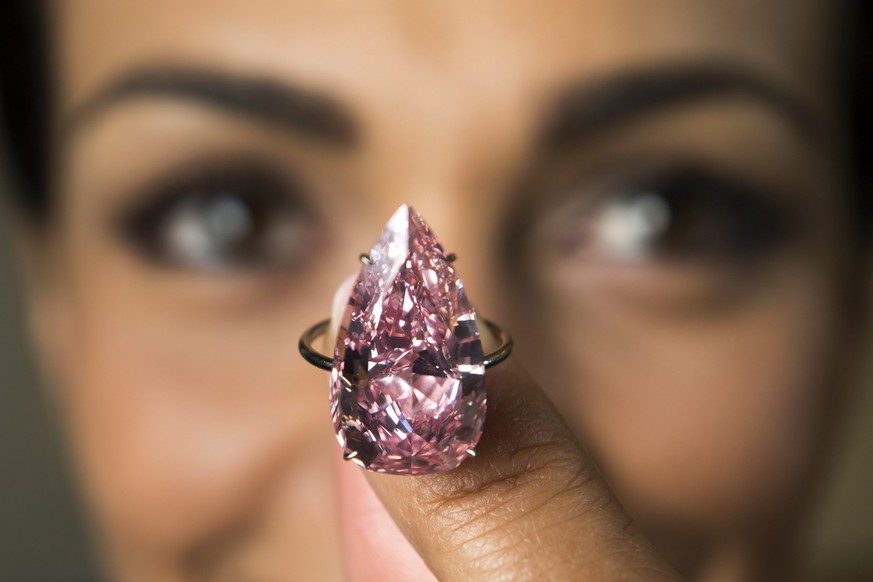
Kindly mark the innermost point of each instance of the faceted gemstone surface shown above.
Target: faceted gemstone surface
(408, 380)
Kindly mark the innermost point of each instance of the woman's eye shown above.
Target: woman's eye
(682, 215)
(221, 220)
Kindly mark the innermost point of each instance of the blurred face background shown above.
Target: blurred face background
(653, 197)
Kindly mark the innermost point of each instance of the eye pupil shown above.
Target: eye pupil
(229, 219)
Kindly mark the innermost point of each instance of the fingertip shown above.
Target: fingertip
(373, 546)
(338, 306)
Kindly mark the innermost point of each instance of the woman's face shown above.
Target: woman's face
(648, 195)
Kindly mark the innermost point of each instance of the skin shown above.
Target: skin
(701, 390)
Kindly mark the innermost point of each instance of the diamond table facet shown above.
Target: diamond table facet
(408, 380)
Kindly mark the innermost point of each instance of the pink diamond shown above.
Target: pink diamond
(408, 380)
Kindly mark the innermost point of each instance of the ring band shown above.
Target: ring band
(319, 360)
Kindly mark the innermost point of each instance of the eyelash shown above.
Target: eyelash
(222, 216)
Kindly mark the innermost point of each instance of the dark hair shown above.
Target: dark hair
(857, 49)
(26, 95)
(25, 98)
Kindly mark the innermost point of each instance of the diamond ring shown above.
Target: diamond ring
(407, 384)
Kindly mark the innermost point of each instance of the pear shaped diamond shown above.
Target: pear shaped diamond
(408, 380)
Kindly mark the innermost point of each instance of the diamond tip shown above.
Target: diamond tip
(401, 215)
(410, 213)
(404, 216)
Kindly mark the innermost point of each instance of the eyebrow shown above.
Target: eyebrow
(593, 108)
(293, 109)
(577, 115)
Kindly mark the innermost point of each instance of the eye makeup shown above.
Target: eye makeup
(682, 213)
(223, 215)
(670, 234)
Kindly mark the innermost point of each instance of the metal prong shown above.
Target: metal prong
(349, 455)
(451, 257)
(365, 258)
(471, 452)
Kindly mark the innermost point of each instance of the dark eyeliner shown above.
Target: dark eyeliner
(717, 217)
(269, 192)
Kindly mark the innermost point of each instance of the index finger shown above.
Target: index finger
(531, 505)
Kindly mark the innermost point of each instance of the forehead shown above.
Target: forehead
(387, 50)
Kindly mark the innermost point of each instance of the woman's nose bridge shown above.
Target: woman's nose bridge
(452, 167)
